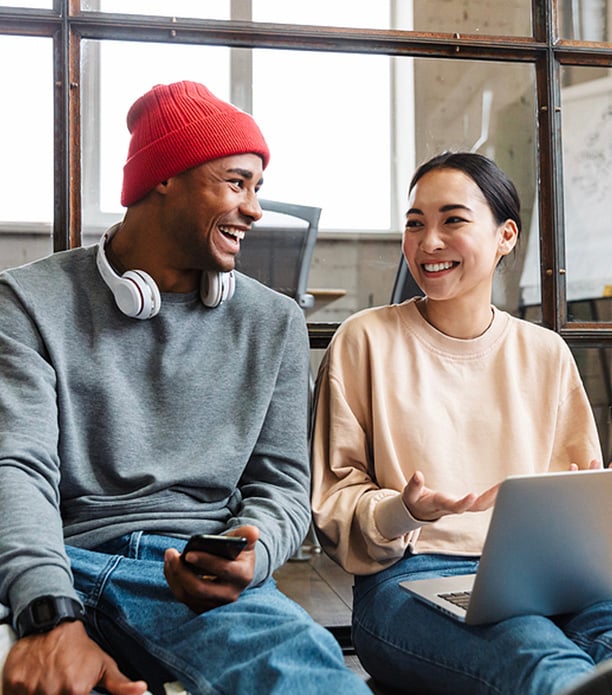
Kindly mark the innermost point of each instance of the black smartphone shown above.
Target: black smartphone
(225, 546)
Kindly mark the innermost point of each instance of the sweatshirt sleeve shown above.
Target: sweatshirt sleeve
(31, 539)
(362, 526)
(276, 482)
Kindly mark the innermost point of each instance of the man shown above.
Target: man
(148, 393)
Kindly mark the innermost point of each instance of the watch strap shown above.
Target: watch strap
(46, 612)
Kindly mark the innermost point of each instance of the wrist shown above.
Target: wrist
(47, 612)
(393, 518)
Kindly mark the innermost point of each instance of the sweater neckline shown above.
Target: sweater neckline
(460, 347)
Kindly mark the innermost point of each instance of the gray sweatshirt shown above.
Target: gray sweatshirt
(193, 421)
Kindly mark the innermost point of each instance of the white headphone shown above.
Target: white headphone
(137, 295)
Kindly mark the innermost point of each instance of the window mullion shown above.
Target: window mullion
(550, 177)
(61, 98)
(241, 61)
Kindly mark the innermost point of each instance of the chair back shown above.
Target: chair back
(404, 286)
(278, 250)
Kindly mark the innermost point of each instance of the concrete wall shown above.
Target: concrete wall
(364, 266)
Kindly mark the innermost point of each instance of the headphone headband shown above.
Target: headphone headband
(137, 295)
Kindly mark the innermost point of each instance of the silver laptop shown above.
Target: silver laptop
(548, 551)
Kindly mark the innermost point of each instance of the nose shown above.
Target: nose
(251, 207)
(431, 239)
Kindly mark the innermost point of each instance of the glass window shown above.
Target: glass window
(586, 102)
(346, 131)
(26, 143)
(481, 106)
(511, 18)
(595, 366)
(585, 20)
(322, 129)
(469, 16)
(106, 101)
(327, 119)
(39, 4)
(348, 13)
(219, 9)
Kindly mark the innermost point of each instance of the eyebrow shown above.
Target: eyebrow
(245, 173)
(444, 208)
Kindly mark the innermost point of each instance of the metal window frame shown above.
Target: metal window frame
(68, 26)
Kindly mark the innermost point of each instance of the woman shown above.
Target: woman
(422, 409)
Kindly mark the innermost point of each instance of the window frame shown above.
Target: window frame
(67, 25)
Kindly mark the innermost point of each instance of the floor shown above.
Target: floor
(325, 590)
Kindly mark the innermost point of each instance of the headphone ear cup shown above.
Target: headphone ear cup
(210, 289)
(216, 288)
(229, 288)
(137, 295)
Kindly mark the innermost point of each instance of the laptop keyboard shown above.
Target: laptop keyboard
(458, 598)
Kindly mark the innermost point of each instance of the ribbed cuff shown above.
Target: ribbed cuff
(393, 518)
(44, 580)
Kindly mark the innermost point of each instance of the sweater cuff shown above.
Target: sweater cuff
(262, 564)
(44, 580)
(393, 518)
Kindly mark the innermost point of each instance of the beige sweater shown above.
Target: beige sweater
(394, 395)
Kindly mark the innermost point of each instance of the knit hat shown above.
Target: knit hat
(178, 126)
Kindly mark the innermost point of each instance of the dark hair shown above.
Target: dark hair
(499, 192)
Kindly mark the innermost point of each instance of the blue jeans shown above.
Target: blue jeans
(262, 643)
(406, 644)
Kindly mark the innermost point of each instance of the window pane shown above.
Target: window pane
(350, 13)
(595, 365)
(485, 106)
(314, 148)
(587, 166)
(345, 137)
(469, 16)
(219, 9)
(511, 18)
(26, 143)
(105, 107)
(39, 4)
(587, 20)
(329, 133)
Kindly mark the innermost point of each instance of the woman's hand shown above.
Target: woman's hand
(594, 465)
(429, 505)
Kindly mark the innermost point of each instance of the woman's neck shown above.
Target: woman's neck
(455, 319)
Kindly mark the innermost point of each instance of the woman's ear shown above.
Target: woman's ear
(508, 236)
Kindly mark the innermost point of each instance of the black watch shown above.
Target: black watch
(47, 612)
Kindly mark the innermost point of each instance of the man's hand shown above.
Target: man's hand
(218, 581)
(429, 505)
(64, 660)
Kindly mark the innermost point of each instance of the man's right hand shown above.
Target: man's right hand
(219, 580)
(64, 660)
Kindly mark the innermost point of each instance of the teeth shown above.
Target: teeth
(436, 267)
(236, 233)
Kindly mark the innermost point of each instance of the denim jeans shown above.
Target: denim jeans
(262, 643)
(406, 644)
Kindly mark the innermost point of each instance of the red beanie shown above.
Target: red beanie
(179, 126)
